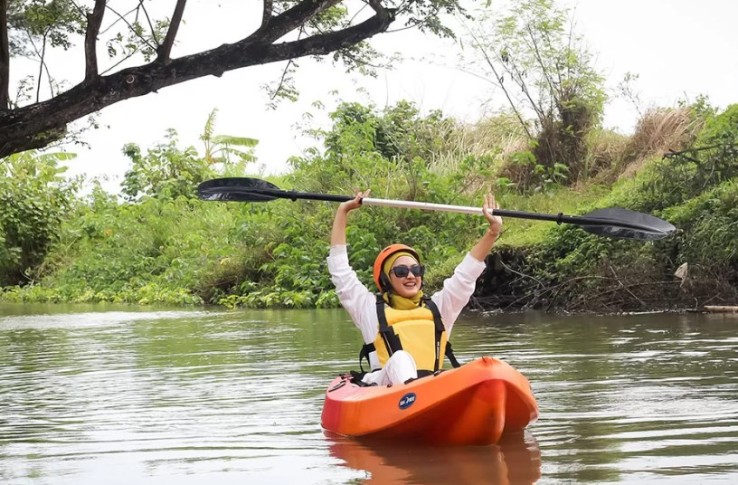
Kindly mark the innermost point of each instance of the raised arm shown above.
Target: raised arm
(338, 233)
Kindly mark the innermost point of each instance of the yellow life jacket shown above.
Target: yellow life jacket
(419, 331)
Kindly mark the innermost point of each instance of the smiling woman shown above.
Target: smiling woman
(405, 332)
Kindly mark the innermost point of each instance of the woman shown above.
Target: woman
(404, 332)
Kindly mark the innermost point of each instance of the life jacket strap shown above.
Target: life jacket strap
(389, 337)
(451, 356)
(440, 328)
(366, 349)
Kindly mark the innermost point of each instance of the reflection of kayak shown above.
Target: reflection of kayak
(472, 404)
(516, 459)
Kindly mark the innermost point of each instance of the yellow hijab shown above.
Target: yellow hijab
(396, 301)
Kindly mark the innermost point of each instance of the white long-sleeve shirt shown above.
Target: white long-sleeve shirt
(361, 304)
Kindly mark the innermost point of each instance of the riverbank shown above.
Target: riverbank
(165, 246)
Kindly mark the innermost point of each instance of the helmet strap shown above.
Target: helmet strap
(386, 285)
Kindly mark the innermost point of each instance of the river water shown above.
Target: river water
(93, 395)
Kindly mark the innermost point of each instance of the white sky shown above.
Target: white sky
(679, 48)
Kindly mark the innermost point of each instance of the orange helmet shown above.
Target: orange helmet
(379, 277)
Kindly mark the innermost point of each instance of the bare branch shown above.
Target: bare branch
(283, 78)
(4, 57)
(166, 48)
(142, 7)
(539, 58)
(626, 288)
(518, 77)
(94, 21)
(121, 18)
(42, 66)
(130, 27)
(49, 79)
(42, 61)
(285, 72)
(119, 62)
(500, 83)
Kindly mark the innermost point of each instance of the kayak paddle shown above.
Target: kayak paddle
(614, 222)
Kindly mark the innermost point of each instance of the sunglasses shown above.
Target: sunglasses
(403, 271)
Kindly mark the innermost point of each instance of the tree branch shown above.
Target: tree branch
(289, 20)
(500, 83)
(42, 61)
(165, 49)
(539, 58)
(4, 57)
(36, 125)
(141, 7)
(122, 18)
(94, 21)
(266, 15)
(518, 78)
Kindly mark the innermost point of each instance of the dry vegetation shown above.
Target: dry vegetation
(494, 147)
(658, 132)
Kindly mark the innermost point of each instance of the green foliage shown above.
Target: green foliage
(165, 171)
(43, 22)
(397, 134)
(721, 129)
(34, 200)
(157, 250)
(173, 249)
(709, 224)
(385, 152)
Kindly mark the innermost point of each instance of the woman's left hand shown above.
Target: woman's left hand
(495, 222)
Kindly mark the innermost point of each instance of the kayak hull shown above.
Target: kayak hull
(470, 405)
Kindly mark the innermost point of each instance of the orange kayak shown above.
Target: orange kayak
(471, 405)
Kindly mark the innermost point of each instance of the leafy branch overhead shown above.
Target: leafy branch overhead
(139, 42)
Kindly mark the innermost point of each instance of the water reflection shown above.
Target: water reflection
(516, 460)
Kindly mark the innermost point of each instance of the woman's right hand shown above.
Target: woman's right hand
(354, 203)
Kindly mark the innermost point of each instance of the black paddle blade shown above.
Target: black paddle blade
(237, 189)
(627, 224)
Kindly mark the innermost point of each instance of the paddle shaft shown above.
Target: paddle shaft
(613, 222)
(407, 204)
(559, 218)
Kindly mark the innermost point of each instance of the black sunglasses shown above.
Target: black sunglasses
(403, 271)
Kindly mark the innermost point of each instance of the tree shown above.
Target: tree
(231, 153)
(533, 56)
(287, 30)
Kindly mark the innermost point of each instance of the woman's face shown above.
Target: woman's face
(409, 286)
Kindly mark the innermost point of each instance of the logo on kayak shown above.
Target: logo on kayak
(407, 400)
